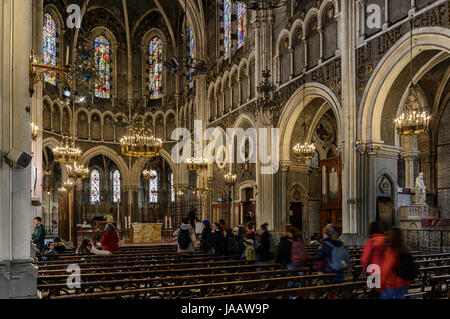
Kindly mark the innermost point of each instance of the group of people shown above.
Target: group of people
(387, 251)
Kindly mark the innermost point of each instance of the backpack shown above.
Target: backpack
(298, 252)
(184, 239)
(249, 252)
(340, 258)
(407, 269)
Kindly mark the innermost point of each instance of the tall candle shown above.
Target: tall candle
(170, 222)
(165, 222)
(67, 56)
(129, 221)
(126, 222)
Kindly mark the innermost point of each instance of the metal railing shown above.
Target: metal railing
(430, 240)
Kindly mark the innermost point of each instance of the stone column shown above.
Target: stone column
(409, 154)
(17, 274)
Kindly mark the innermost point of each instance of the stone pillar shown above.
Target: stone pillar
(36, 113)
(17, 274)
(347, 44)
(409, 154)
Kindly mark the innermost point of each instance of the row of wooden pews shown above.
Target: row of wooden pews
(160, 273)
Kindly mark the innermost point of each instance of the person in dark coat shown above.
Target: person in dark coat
(217, 240)
(325, 250)
(264, 251)
(110, 239)
(193, 217)
(284, 249)
(39, 234)
(205, 243)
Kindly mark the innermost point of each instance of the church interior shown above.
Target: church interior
(265, 123)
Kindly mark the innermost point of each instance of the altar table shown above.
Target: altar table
(146, 233)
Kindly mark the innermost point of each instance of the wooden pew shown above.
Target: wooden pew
(204, 290)
(49, 290)
(349, 290)
(87, 277)
(146, 266)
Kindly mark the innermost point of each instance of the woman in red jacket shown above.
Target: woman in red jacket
(392, 286)
(373, 250)
(110, 239)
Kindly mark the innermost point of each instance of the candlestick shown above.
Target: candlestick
(170, 222)
(67, 56)
(126, 222)
(165, 222)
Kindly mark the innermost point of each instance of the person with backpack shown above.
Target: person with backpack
(186, 237)
(232, 246)
(266, 248)
(398, 269)
(249, 252)
(284, 249)
(336, 258)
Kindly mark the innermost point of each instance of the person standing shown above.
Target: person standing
(39, 234)
(192, 216)
(325, 254)
(373, 250)
(265, 250)
(217, 240)
(110, 239)
(206, 234)
(398, 269)
(186, 237)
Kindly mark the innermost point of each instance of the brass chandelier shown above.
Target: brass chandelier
(304, 151)
(197, 164)
(268, 107)
(414, 120)
(230, 179)
(149, 174)
(68, 153)
(140, 142)
(76, 171)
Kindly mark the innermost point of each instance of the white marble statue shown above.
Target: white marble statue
(421, 191)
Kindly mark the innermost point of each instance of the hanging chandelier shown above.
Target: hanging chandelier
(68, 153)
(197, 164)
(230, 178)
(149, 174)
(304, 151)
(140, 142)
(414, 119)
(261, 4)
(69, 185)
(187, 66)
(76, 171)
(268, 107)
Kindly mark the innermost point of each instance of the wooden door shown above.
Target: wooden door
(297, 215)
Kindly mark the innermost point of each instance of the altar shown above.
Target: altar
(146, 233)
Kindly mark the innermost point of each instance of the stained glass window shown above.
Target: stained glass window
(153, 188)
(172, 188)
(227, 27)
(242, 24)
(95, 186)
(191, 53)
(102, 62)
(49, 45)
(155, 62)
(116, 186)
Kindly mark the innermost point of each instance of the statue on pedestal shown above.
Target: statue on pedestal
(421, 191)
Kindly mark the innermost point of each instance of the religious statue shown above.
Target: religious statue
(421, 191)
